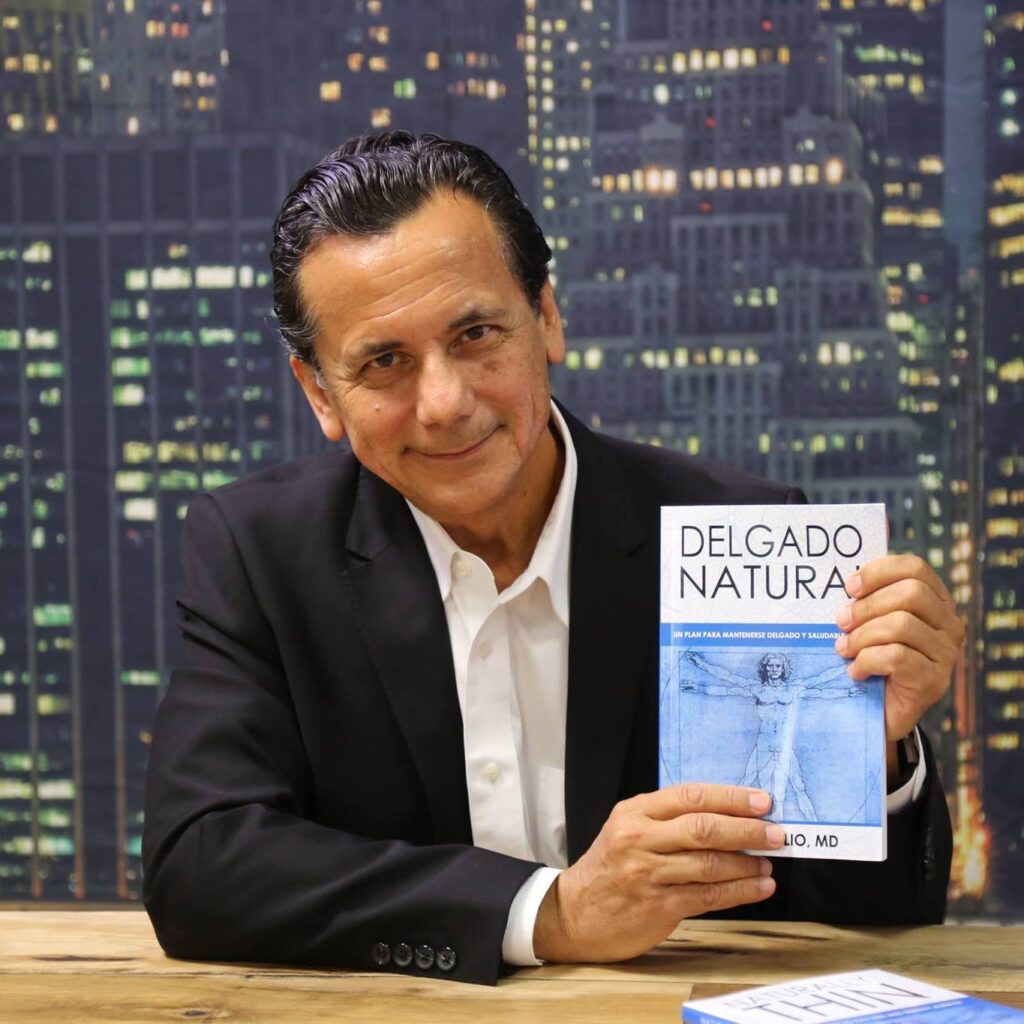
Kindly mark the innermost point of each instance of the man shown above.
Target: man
(416, 726)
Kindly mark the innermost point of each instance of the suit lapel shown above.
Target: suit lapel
(613, 603)
(399, 608)
(613, 610)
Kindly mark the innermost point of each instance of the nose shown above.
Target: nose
(444, 393)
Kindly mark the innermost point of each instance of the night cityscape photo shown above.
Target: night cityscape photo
(788, 235)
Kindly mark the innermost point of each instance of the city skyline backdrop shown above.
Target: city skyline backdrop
(787, 235)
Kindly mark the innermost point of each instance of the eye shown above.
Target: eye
(383, 362)
(477, 332)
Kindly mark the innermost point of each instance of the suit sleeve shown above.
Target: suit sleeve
(235, 867)
(909, 887)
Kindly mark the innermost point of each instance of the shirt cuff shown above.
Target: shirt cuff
(911, 789)
(517, 945)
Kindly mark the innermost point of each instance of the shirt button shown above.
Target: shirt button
(485, 649)
(462, 570)
(446, 959)
(403, 954)
(493, 771)
(424, 957)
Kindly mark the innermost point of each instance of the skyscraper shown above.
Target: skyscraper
(138, 363)
(380, 65)
(159, 66)
(897, 52)
(728, 300)
(1003, 709)
(46, 79)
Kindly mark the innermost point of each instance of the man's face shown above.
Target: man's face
(435, 367)
(773, 669)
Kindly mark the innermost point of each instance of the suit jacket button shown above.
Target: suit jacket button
(381, 953)
(403, 954)
(446, 959)
(424, 957)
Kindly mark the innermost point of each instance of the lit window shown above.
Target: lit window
(432, 61)
(330, 92)
(380, 117)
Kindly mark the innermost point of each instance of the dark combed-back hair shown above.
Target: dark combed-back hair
(370, 183)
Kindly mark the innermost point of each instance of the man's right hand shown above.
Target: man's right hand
(659, 858)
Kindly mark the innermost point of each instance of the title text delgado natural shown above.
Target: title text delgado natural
(760, 546)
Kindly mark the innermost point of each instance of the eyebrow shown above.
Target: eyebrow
(372, 349)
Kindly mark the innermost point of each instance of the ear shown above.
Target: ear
(551, 325)
(319, 401)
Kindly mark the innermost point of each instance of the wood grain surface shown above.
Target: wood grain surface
(88, 966)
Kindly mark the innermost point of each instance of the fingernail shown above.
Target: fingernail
(841, 644)
(760, 802)
(766, 885)
(775, 834)
(854, 585)
(844, 620)
(766, 867)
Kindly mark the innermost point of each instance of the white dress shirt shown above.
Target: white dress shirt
(511, 658)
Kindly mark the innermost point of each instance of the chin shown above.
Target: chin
(456, 502)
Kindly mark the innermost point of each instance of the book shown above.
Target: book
(858, 997)
(752, 690)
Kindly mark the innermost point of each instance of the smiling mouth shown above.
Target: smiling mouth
(461, 453)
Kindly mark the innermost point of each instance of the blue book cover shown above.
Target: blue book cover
(752, 691)
(858, 997)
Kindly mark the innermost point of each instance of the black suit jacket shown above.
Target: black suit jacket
(306, 796)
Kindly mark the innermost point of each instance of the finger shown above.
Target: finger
(708, 866)
(691, 797)
(891, 660)
(907, 595)
(704, 831)
(897, 628)
(880, 572)
(702, 898)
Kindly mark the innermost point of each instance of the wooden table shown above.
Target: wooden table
(72, 966)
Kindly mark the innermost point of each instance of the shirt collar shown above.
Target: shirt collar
(550, 559)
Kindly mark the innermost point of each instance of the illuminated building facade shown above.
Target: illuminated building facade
(138, 364)
(374, 65)
(159, 66)
(565, 44)
(728, 301)
(896, 51)
(46, 67)
(1003, 709)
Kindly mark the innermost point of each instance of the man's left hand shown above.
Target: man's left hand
(901, 625)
